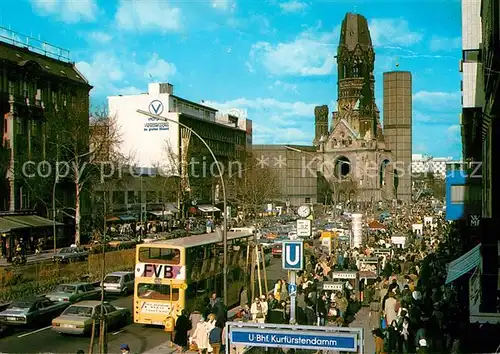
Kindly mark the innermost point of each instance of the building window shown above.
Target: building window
(12, 88)
(355, 71)
(471, 56)
(34, 128)
(25, 89)
(308, 200)
(457, 194)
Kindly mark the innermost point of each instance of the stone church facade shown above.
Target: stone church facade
(353, 158)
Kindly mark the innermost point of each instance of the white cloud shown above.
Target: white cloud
(99, 37)
(422, 117)
(267, 105)
(159, 69)
(453, 129)
(454, 134)
(266, 134)
(69, 11)
(293, 6)
(252, 24)
(312, 53)
(148, 15)
(440, 100)
(393, 31)
(224, 5)
(108, 73)
(285, 86)
(275, 121)
(441, 44)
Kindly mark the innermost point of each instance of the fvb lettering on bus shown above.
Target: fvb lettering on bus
(164, 271)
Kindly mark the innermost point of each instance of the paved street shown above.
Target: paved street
(141, 339)
(363, 321)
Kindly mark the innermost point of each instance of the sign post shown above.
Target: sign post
(293, 260)
(317, 338)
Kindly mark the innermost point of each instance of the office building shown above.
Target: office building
(296, 169)
(172, 150)
(38, 84)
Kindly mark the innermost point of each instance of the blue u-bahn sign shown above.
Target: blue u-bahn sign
(294, 337)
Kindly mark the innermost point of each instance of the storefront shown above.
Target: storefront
(29, 230)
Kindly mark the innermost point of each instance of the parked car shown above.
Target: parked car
(75, 292)
(31, 310)
(77, 319)
(277, 249)
(122, 242)
(71, 254)
(119, 283)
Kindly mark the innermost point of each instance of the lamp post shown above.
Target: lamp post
(219, 170)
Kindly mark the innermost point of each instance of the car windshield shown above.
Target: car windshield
(66, 250)
(112, 279)
(65, 289)
(20, 305)
(80, 311)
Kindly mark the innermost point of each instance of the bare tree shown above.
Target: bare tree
(90, 151)
(256, 186)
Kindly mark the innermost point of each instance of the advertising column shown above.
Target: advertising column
(357, 230)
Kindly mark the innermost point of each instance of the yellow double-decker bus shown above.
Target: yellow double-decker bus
(182, 273)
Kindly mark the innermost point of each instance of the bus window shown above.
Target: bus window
(157, 292)
(160, 255)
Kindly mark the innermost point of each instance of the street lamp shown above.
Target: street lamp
(219, 170)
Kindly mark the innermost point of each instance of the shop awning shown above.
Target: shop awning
(112, 218)
(208, 208)
(464, 264)
(127, 218)
(32, 220)
(7, 225)
(375, 225)
(161, 213)
(171, 207)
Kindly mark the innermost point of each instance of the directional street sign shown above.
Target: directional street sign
(313, 340)
(304, 228)
(293, 255)
(292, 289)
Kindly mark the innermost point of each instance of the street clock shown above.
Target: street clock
(304, 211)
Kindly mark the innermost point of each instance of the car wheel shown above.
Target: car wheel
(124, 292)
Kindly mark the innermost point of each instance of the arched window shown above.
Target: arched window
(355, 70)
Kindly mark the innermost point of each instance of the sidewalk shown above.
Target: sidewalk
(165, 347)
(363, 321)
(46, 255)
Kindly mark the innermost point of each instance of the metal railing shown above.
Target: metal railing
(33, 44)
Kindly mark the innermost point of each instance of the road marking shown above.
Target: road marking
(118, 332)
(30, 333)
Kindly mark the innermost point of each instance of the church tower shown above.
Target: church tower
(356, 82)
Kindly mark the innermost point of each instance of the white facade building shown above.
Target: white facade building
(151, 142)
(427, 164)
(470, 65)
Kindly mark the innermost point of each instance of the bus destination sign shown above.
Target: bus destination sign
(160, 271)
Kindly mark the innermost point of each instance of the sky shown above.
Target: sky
(275, 59)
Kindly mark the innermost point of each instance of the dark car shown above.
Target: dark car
(71, 254)
(32, 310)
